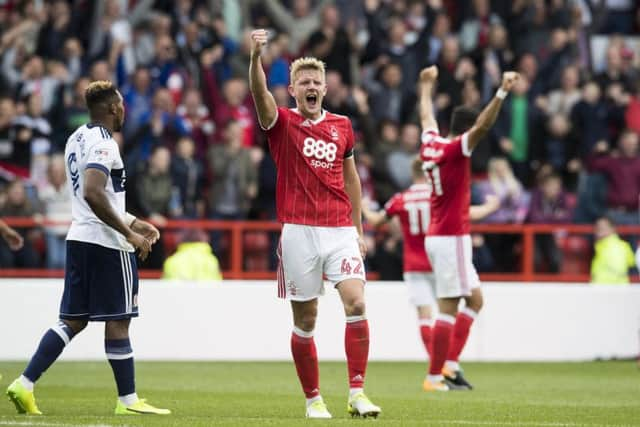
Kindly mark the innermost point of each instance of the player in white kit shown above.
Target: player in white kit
(101, 278)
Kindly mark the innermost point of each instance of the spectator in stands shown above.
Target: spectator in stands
(562, 100)
(475, 29)
(55, 199)
(137, 96)
(549, 205)
(193, 259)
(399, 160)
(514, 206)
(233, 173)
(75, 113)
(55, 31)
(234, 179)
(613, 256)
(299, 22)
(9, 146)
(589, 117)
(332, 44)
(561, 149)
(159, 127)
(380, 150)
(33, 132)
(17, 205)
(153, 197)
(622, 170)
(198, 122)
(387, 97)
(502, 183)
(516, 129)
(187, 175)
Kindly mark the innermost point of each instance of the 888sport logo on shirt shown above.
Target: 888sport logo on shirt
(323, 153)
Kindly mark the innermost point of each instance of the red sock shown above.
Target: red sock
(425, 333)
(356, 345)
(441, 337)
(305, 357)
(460, 334)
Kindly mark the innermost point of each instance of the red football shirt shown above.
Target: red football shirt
(309, 156)
(447, 165)
(412, 208)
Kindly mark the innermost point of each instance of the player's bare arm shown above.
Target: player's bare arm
(263, 99)
(428, 78)
(490, 205)
(11, 236)
(488, 116)
(353, 190)
(375, 219)
(95, 182)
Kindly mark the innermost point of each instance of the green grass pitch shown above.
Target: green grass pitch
(268, 394)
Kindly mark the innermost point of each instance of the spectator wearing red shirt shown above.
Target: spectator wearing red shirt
(622, 171)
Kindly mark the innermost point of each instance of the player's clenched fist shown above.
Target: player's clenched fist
(509, 79)
(258, 39)
(429, 74)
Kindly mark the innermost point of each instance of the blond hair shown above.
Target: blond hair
(306, 63)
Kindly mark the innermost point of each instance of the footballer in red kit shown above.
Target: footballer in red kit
(413, 209)
(446, 163)
(318, 202)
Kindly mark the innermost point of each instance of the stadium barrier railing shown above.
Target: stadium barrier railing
(573, 240)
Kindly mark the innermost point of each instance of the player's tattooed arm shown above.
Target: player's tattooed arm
(95, 182)
(488, 116)
(353, 190)
(428, 78)
(263, 99)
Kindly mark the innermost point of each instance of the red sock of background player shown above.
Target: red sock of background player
(305, 357)
(459, 337)
(426, 329)
(441, 337)
(356, 345)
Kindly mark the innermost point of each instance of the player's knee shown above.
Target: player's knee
(356, 307)
(475, 302)
(307, 322)
(117, 329)
(76, 325)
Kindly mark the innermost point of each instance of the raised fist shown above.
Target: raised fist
(258, 40)
(429, 74)
(509, 79)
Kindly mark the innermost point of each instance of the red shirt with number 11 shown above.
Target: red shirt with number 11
(447, 165)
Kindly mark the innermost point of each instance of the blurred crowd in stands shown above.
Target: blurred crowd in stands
(564, 149)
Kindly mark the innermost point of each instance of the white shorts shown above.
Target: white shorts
(450, 258)
(307, 252)
(421, 288)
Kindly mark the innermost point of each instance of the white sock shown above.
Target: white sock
(313, 399)
(27, 383)
(129, 399)
(353, 391)
(452, 366)
(435, 378)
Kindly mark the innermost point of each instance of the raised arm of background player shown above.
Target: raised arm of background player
(476, 212)
(485, 120)
(95, 182)
(263, 99)
(11, 236)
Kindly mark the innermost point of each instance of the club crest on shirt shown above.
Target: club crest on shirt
(293, 290)
(334, 133)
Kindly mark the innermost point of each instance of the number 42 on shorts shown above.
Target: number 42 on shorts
(351, 266)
